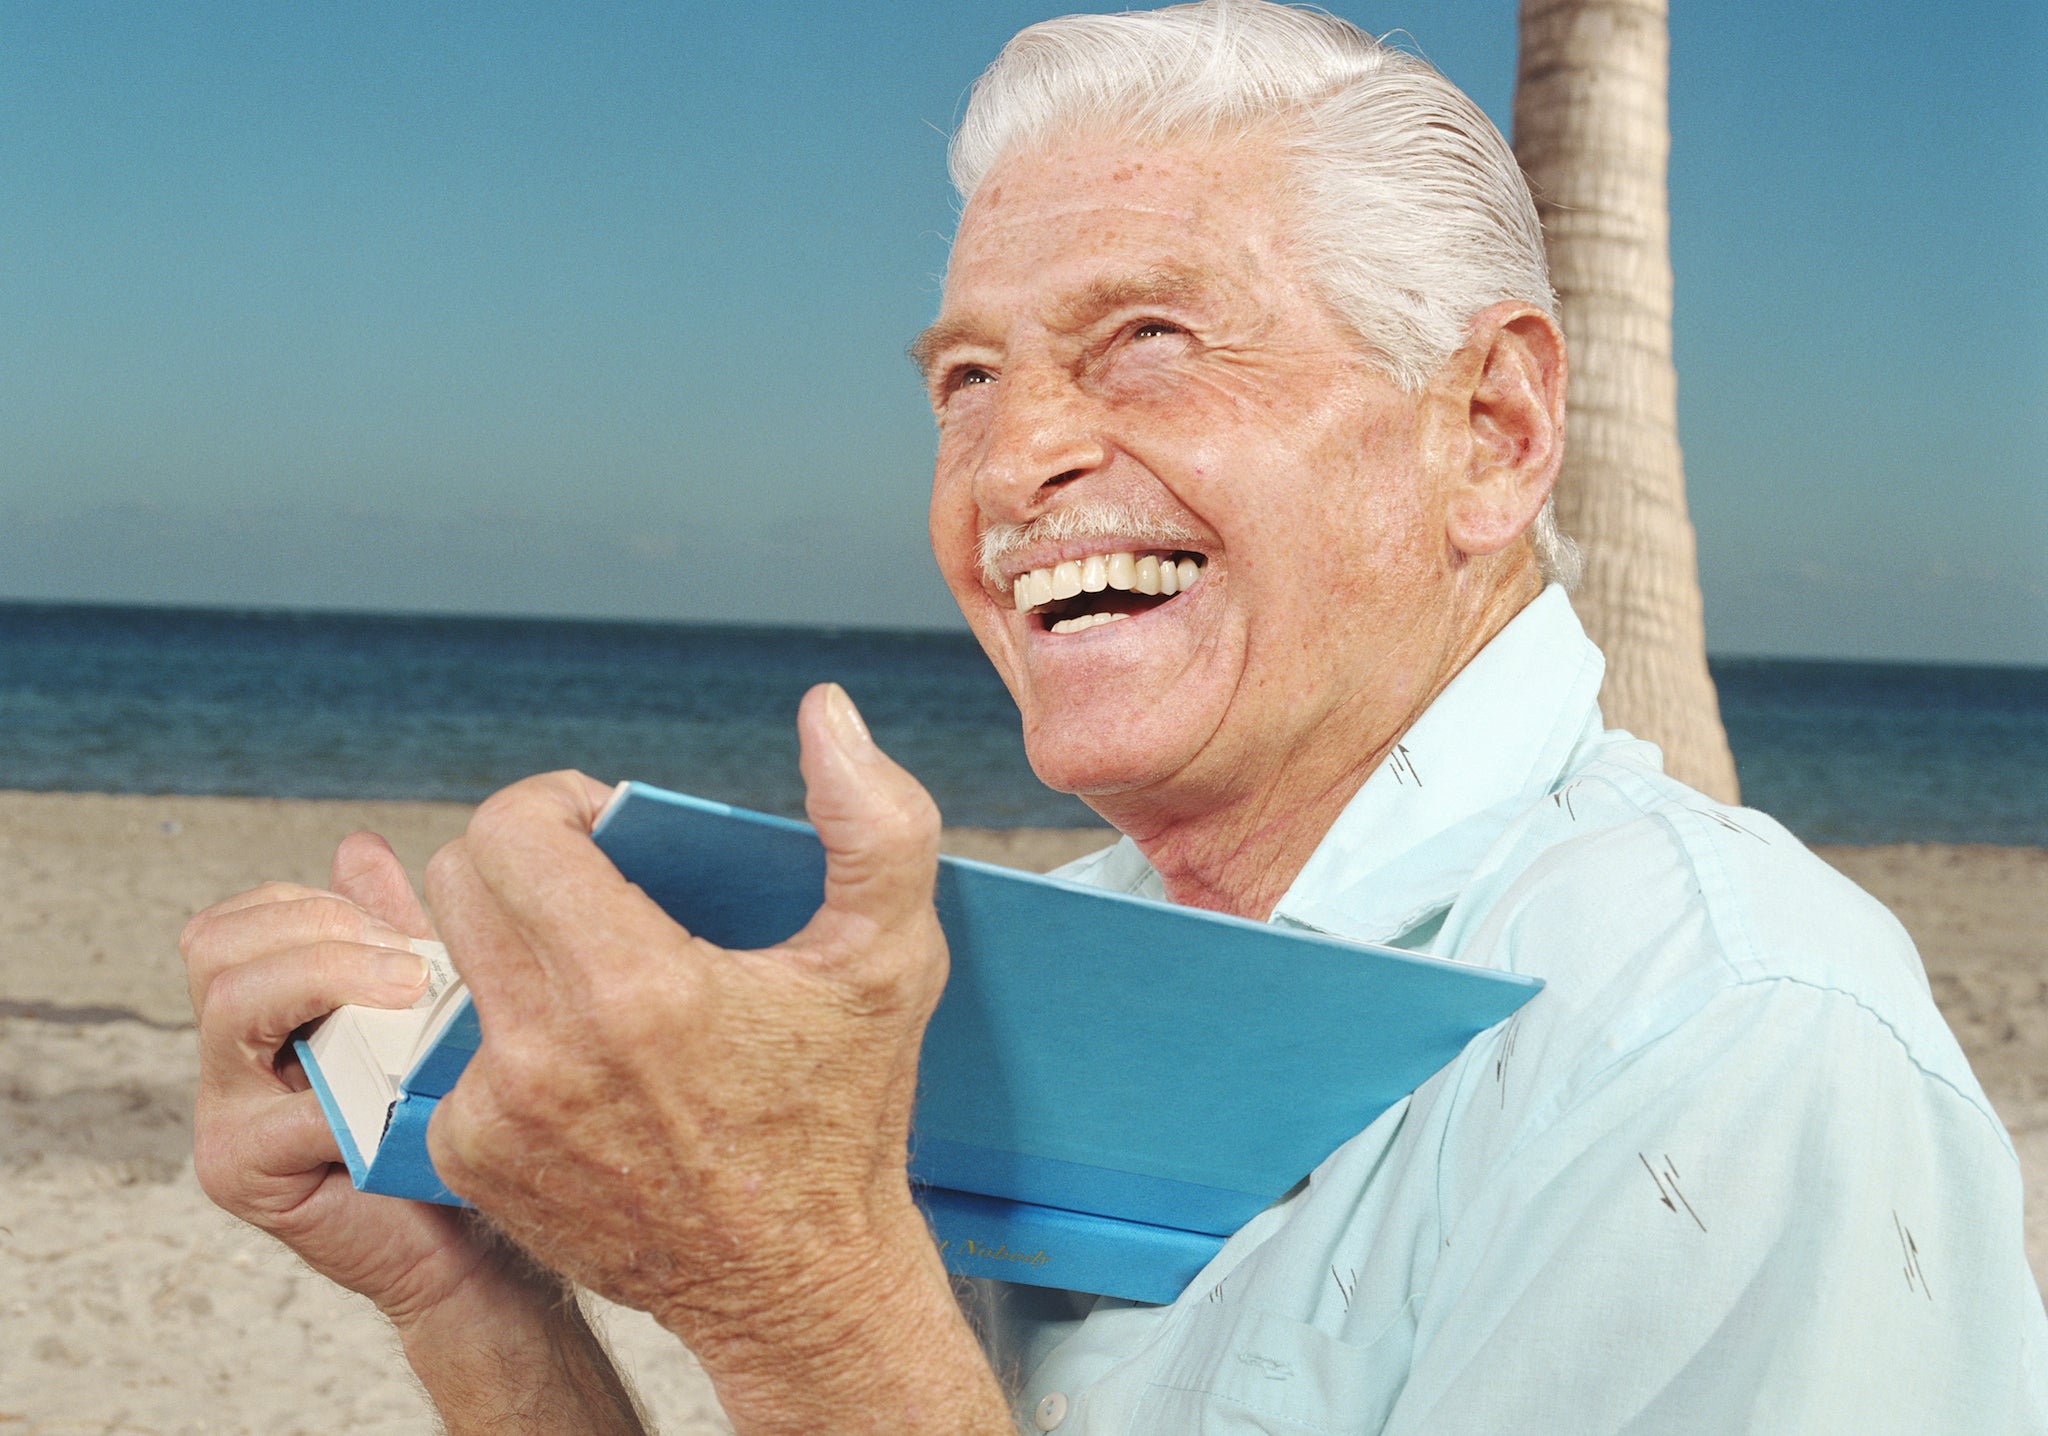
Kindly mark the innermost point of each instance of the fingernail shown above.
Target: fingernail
(845, 718)
(405, 970)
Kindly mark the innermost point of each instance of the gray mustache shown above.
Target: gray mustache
(1082, 521)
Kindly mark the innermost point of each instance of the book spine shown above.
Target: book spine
(401, 1167)
(337, 1121)
(436, 1073)
(1047, 1246)
(1078, 1187)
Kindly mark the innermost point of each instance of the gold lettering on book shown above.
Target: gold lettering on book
(999, 1252)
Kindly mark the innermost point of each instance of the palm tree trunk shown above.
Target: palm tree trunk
(1592, 130)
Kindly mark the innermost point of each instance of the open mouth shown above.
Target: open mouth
(1103, 587)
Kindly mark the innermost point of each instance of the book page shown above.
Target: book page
(353, 1075)
(390, 1035)
(363, 1052)
(444, 998)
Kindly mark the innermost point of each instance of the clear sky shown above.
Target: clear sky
(599, 308)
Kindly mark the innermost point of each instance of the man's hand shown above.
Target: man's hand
(719, 1137)
(259, 966)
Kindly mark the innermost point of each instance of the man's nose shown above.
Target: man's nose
(1044, 434)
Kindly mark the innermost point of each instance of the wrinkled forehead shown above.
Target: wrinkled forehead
(1187, 180)
(1102, 212)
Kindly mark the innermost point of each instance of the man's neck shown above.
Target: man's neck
(1240, 851)
(1242, 859)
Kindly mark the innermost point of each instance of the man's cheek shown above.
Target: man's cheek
(954, 541)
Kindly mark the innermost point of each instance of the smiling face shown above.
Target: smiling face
(1133, 379)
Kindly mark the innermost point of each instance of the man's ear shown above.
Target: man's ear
(1511, 376)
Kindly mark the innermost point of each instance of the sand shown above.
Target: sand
(128, 1304)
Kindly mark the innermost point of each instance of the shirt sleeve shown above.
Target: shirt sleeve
(1770, 1219)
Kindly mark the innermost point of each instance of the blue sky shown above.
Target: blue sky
(600, 308)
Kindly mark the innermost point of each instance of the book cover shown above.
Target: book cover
(1109, 1087)
(1050, 1246)
(377, 1073)
(1095, 1051)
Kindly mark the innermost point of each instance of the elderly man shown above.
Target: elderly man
(1250, 399)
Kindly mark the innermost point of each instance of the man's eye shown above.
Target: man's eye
(962, 378)
(1154, 328)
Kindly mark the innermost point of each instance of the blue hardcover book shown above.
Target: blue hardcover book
(378, 1074)
(1110, 1083)
(1050, 1246)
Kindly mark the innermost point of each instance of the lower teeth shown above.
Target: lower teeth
(1086, 620)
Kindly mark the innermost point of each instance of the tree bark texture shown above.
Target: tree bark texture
(1592, 131)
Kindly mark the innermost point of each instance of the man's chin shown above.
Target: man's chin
(1095, 769)
(1107, 732)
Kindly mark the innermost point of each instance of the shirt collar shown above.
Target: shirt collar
(1493, 743)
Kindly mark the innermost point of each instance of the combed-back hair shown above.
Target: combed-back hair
(1412, 213)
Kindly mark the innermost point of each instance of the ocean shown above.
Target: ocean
(151, 700)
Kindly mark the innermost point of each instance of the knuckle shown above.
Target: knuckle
(518, 804)
(192, 936)
(930, 965)
(233, 1011)
(361, 843)
(516, 1084)
(917, 816)
(491, 816)
(894, 990)
(216, 1164)
(637, 1015)
(564, 783)
(237, 998)
(901, 845)
(330, 967)
(923, 823)
(208, 922)
(454, 1170)
(445, 863)
(358, 855)
(448, 1135)
(336, 919)
(226, 997)
(908, 830)
(497, 813)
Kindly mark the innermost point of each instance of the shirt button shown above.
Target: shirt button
(1052, 1409)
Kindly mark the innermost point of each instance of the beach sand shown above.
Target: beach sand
(128, 1304)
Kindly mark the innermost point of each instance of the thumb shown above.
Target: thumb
(879, 826)
(368, 874)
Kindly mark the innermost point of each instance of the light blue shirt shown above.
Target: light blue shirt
(1728, 1172)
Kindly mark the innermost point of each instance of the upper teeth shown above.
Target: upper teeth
(1098, 571)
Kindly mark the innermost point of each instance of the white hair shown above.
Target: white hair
(1414, 214)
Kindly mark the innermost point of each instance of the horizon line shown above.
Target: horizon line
(957, 628)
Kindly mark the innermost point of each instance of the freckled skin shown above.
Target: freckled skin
(1359, 543)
